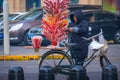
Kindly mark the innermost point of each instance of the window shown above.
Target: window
(104, 17)
(1, 6)
(74, 1)
(89, 17)
(31, 15)
(118, 17)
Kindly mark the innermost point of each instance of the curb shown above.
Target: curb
(19, 57)
(26, 57)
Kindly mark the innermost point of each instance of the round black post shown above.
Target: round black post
(109, 73)
(78, 72)
(16, 73)
(46, 73)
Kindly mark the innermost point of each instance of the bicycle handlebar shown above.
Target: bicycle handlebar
(90, 38)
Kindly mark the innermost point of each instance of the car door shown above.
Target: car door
(105, 21)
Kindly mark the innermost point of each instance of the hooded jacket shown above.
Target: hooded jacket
(80, 29)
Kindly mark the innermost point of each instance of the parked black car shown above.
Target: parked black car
(108, 22)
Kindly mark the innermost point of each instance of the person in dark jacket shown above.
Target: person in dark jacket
(78, 30)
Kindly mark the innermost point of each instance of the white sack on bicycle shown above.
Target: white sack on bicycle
(101, 46)
(94, 47)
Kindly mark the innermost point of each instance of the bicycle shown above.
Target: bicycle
(63, 63)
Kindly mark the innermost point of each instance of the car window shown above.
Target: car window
(31, 15)
(74, 8)
(40, 16)
(104, 17)
(11, 16)
(1, 18)
(118, 17)
(89, 17)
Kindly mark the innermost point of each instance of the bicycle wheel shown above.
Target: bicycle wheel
(59, 61)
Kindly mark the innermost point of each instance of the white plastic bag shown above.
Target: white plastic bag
(95, 45)
(99, 48)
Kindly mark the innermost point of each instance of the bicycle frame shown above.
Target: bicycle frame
(59, 66)
(87, 61)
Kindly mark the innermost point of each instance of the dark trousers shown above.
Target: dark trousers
(76, 55)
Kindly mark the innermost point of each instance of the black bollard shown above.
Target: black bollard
(16, 73)
(46, 73)
(78, 72)
(109, 72)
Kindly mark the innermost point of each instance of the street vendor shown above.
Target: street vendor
(79, 29)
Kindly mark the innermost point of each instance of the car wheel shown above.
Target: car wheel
(117, 37)
(27, 40)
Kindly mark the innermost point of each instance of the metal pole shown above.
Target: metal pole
(6, 27)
